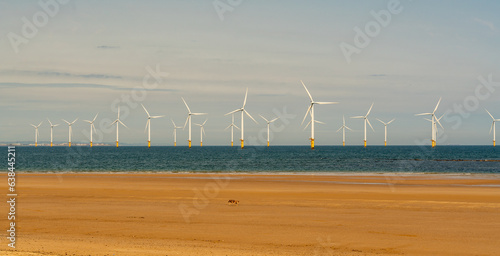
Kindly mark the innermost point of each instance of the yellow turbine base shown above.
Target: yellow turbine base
(385, 143)
(343, 143)
(91, 144)
(36, 144)
(69, 144)
(201, 143)
(312, 143)
(433, 142)
(175, 144)
(494, 144)
(231, 143)
(242, 143)
(189, 143)
(268, 143)
(149, 144)
(51, 144)
(365, 143)
(116, 143)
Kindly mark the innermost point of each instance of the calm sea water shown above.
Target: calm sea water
(296, 159)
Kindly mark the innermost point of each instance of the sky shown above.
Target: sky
(73, 59)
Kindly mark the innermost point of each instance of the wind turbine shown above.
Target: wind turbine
(310, 110)
(268, 124)
(343, 130)
(51, 127)
(92, 126)
(366, 120)
(188, 120)
(493, 127)
(243, 112)
(175, 132)
(118, 121)
(36, 132)
(202, 131)
(433, 121)
(385, 126)
(70, 132)
(232, 125)
(148, 125)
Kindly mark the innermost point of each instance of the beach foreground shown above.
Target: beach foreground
(188, 214)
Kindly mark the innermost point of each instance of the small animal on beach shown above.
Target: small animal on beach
(233, 202)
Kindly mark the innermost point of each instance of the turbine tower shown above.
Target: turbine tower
(366, 121)
(343, 127)
(188, 120)
(175, 132)
(268, 124)
(70, 131)
(385, 126)
(310, 110)
(433, 121)
(118, 121)
(36, 132)
(202, 131)
(51, 127)
(148, 125)
(92, 126)
(493, 127)
(243, 112)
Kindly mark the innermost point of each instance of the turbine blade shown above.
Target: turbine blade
(436, 106)
(66, 121)
(33, 125)
(74, 121)
(95, 117)
(428, 119)
(250, 116)
(319, 122)
(340, 129)
(274, 120)
(93, 126)
(232, 112)
(145, 109)
(49, 122)
(490, 114)
(228, 127)
(380, 121)
(236, 126)
(113, 122)
(157, 116)
(146, 128)
(203, 130)
(368, 121)
(310, 97)
(348, 128)
(187, 119)
(245, 101)
(205, 122)
(122, 124)
(307, 112)
(307, 125)
(198, 114)
(357, 117)
(423, 114)
(370, 109)
(87, 121)
(391, 121)
(491, 128)
(39, 124)
(325, 103)
(172, 122)
(437, 120)
(189, 111)
(264, 118)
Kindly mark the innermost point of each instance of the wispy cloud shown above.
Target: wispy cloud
(75, 85)
(48, 73)
(488, 24)
(107, 47)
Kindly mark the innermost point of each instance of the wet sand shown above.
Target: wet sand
(188, 214)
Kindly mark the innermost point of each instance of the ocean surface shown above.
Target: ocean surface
(276, 159)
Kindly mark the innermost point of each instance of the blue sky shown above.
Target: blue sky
(90, 55)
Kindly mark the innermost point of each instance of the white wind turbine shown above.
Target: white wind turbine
(243, 112)
(268, 124)
(188, 121)
(92, 126)
(202, 131)
(118, 122)
(385, 126)
(148, 125)
(175, 132)
(310, 110)
(51, 127)
(493, 127)
(232, 125)
(343, 127)
(70, 131)
(433, 121)
(36, 132)
(366, 121)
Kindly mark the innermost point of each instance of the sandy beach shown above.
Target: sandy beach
(188, 214)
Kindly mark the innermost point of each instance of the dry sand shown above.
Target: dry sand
(188, 214)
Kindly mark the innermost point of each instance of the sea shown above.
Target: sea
(274, 159)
